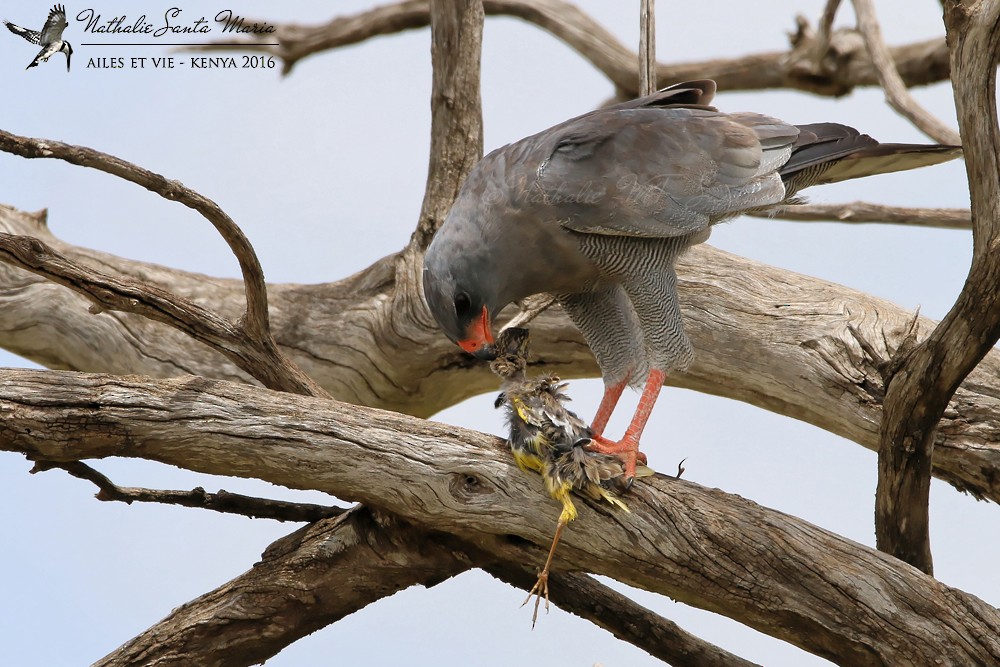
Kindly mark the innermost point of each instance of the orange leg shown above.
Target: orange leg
(628, 447)
(607, 407)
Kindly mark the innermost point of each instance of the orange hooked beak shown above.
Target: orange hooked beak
(479, 341)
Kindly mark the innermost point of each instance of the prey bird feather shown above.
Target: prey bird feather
(596, 210)
(547, 438)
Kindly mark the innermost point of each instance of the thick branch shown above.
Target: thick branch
(845, 64)
(920, 392)
(860, 212)
(680, 539)
(766, 336)
(305, 581)
(456, 110)
(321, 573)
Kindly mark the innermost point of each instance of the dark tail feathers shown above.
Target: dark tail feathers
(831, 152)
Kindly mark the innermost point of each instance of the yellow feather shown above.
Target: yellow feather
(526, 461)
(613, 499)
(522, 410)
(563, 493)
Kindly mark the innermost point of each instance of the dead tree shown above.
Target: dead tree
(263, 403)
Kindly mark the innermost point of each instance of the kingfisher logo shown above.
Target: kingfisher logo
(123, 41)
(49, 37)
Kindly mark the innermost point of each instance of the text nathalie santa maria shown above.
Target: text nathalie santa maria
(172, 24)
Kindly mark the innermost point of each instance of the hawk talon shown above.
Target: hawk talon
(626, 450)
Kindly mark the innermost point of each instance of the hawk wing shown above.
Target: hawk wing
(54, 25)
(32, 36)
(660, 173)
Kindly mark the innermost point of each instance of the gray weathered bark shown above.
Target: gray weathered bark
(920, 391)
(368, 339)
(807, 364)
(701, 546)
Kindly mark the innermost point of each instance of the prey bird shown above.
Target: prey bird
(596, 210)
(49, 37)
(547, 438)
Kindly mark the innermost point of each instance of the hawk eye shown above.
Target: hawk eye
(463, 304)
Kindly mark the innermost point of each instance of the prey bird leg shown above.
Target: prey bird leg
(541, 586)
(547, 438)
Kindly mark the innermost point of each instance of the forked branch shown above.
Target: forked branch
(929, 375)
(896, 93)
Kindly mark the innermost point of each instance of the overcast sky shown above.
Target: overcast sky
(324, 170)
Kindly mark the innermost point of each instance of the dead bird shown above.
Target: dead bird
(547, 438)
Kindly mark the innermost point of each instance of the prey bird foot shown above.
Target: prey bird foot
(540, 588)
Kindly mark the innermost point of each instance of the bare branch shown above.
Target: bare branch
(305, 581)
(929, 375)
(920, 63)
(860, 212)
(677, 536)
(825, 27)
(125, 295)
(647, 47)
(223, 501)
(456, 109)
(256, 317)
(896, 94)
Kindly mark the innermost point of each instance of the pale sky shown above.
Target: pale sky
(324, 170)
